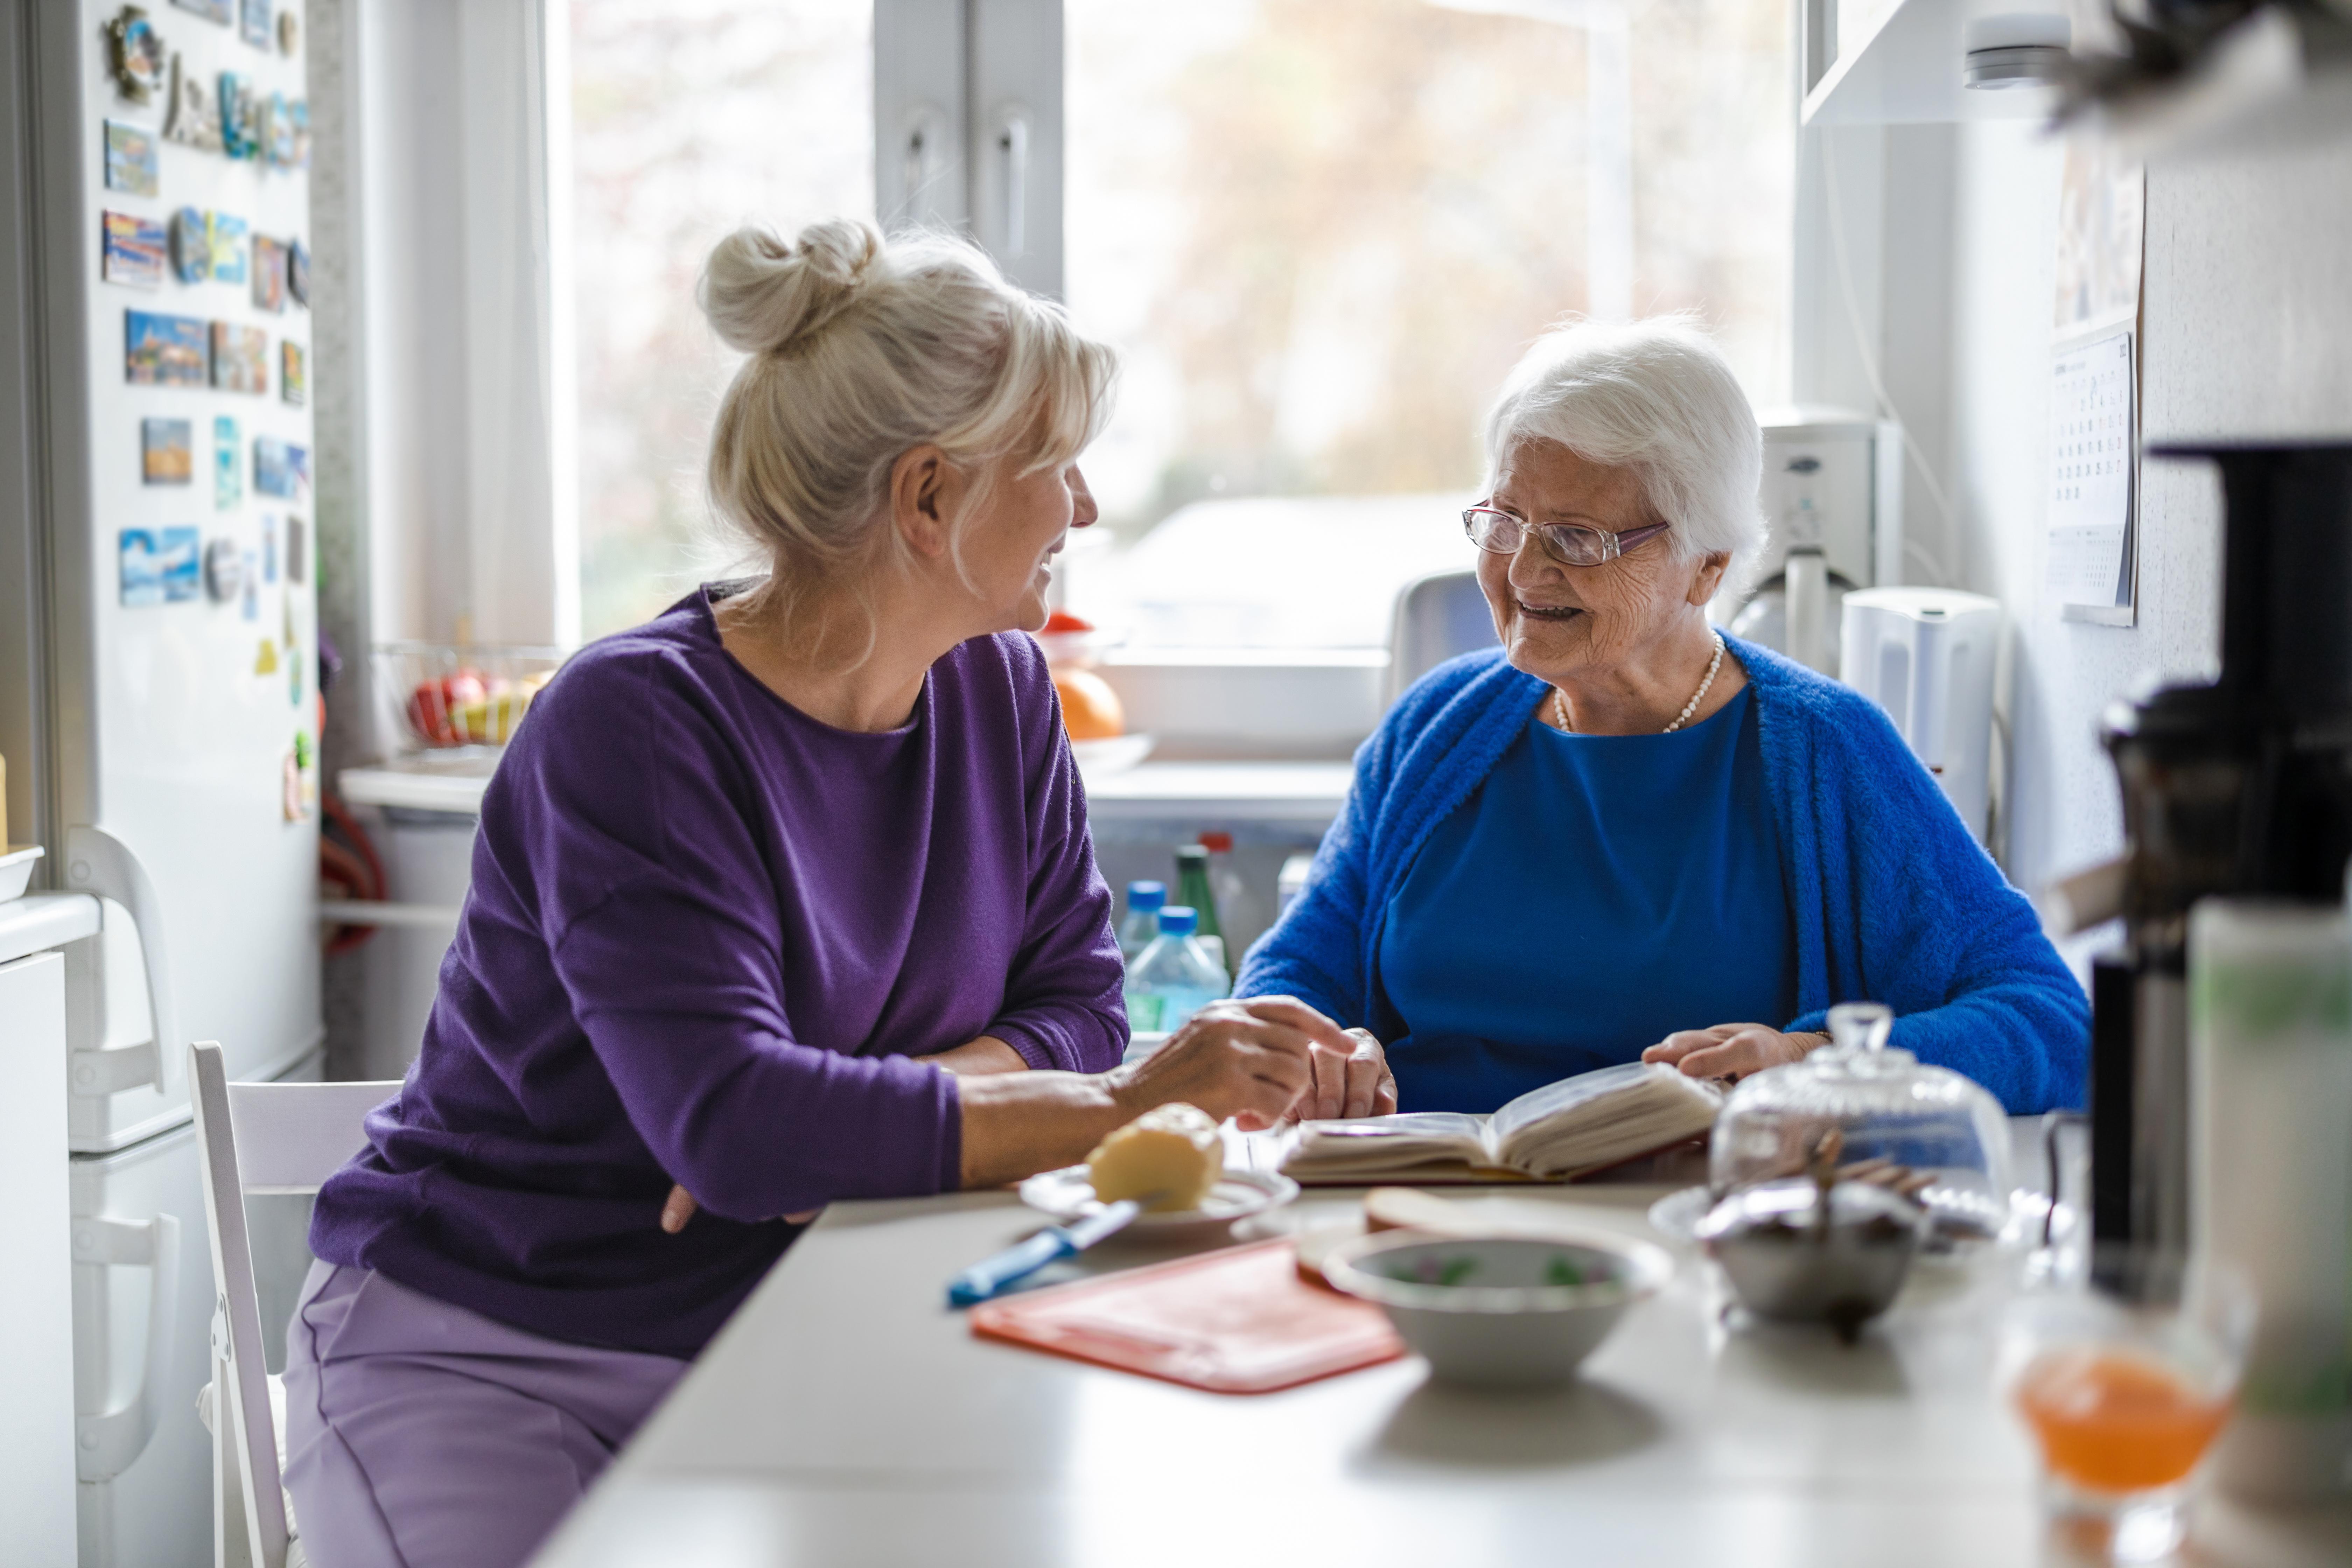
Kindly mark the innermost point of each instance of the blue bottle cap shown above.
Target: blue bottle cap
(1146, 895)
(1175, 920)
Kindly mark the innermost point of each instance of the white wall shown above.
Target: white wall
(2248, 322)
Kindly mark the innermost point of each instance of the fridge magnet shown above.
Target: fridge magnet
(293, 373)
(249, 605)
(252, 22)
(133, 251)
(241, 112)
(294, 676)
(240, 358)
(163, 351)
(192, 245)
(297, 272)
(297, 557)
(279, 469)
(266, 661)
(210, 10)
(226, 236)
(290, 788)
(268, 275)
(286, 133)
(269, 547)
(143, 568)
(167, 452)
(176, 557)
(290, 31)
(229, 474)
(135, 53)
(131, 159)
(223, 570)
(195, 119)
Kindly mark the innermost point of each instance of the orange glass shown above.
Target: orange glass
(2117, 1422)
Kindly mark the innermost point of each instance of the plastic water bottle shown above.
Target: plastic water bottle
(1174, 979)
(1143, 922)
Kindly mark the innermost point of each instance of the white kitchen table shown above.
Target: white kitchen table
(846, 1417)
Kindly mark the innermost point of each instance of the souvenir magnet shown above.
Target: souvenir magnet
(294, 676)
(192, 245)
(165, 452)
(290, 31)
(135, 52)
(274, 471)
(250, 606)
(266, 661)
(269, 547)
(228, 472)
(268, 273)
(240, 117)
(297, 553)
(252, 22)
(177, 557)
(224, 233)
(131, 159)
(279, 147)
(142, 567)
(297, 272)
(240, 358)
(210, 10)
(222, 573)
(294, 373)
(132, 250)
(195, 120)
(164, 351)
(290, 787)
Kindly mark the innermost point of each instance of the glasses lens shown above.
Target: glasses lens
(1577, 546)
(1492, 530)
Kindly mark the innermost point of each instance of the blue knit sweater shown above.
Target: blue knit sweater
(1892, 899)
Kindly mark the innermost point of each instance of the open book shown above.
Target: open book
(1559, 1131)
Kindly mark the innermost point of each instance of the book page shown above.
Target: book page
(1384, 1142)
(1557, 1098)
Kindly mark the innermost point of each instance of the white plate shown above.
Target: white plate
(1115, 755)
(1958, 1217)
(1069, 1194)
(1678, 1214)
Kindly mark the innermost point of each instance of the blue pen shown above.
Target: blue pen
(1022, 1259)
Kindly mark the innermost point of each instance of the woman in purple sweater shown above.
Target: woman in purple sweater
(782, 898)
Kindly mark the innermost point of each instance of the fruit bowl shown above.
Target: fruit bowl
(445, 697)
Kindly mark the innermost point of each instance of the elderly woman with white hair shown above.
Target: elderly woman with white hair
(1624, 835)
(784, 896)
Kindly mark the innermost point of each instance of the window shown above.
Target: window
(1320, 231)
(689, 118)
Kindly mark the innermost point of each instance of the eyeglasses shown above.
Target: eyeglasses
(1569, 544)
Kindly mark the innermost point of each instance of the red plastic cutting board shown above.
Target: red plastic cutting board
(1236, 1322)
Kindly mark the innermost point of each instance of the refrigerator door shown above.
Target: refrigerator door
(143, 1301)
(183, 700)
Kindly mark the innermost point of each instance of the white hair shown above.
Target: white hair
(862, 348)
(1658, 397)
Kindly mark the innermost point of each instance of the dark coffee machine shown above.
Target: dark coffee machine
(2242, 787)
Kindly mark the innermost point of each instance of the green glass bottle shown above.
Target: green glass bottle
(1193, 890)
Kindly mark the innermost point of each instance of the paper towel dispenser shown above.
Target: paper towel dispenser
(1925, 656)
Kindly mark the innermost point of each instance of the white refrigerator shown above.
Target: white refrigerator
(162, 715)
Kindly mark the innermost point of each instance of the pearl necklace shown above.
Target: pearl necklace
(1559, 702)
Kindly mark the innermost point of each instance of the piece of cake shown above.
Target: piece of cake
(1172, 1149)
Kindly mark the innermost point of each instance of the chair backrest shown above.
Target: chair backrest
(257, 1138)
(1437, 618)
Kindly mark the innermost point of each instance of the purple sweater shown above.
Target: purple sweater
(705, 936)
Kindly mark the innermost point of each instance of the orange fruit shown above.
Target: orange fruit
(1091, 707)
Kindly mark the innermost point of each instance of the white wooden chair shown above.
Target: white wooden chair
(257, 1138)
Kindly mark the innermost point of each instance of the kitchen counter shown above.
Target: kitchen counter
(40, 921)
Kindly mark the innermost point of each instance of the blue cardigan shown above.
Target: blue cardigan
(1893, 899)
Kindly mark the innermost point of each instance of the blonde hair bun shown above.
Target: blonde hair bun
(764, 296)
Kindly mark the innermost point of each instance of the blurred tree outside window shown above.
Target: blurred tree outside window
(690, 117)
(1321, 231)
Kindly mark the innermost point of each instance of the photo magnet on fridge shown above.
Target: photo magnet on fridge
(167, 452)
(269, 547)
(135, 53)
(223, 571)
(266, 661)
(279, 469)
(294, 373)
(133, 253)
(297, 557)
(176, 556)
(195, 119)
(164, 351)
(252, 22)
(142, 567)
(131, 159)
(229, 469)
(241, 113)
(210, 10)
(226, 235)
(268, 273)
(240, 358)
(250, 607)
(192, 245)
(290, 31)
(297, 272)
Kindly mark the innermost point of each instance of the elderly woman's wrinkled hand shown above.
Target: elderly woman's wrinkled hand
(1353, 1082)
(1732, 1051)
